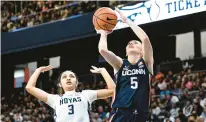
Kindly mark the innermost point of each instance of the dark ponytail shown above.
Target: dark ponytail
(60, 90)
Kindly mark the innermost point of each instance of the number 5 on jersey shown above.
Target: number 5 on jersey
(134, 82)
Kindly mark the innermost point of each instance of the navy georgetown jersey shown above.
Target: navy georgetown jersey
(133, 87)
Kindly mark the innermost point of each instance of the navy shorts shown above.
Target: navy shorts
(127, 115)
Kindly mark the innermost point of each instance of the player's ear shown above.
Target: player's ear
(77, 83)
(141, 53)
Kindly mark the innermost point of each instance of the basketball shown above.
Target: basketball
(104, 19)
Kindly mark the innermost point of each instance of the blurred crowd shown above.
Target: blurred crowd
(179, 97)
(175, 98)
(24, 108)
(21, 14)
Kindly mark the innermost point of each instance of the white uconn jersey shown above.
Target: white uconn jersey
(72, 107)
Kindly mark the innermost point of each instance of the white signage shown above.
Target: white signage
(155, 10)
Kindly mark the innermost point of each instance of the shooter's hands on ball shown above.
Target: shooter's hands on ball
(121, 15)
(96, 70)
(44, 68)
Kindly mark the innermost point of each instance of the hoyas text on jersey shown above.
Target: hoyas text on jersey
(70, 100)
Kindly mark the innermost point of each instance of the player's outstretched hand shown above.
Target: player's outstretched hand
(103, 31)
(44, 68)
(121, 15)
(96, 70)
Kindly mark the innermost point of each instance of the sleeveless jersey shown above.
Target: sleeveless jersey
(133, 87)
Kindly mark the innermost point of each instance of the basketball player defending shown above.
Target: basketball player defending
(72, 106)
(131, 102)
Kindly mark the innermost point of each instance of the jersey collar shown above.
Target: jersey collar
(70, 92)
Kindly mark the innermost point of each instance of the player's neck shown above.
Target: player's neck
(133, 59)
(70, 92)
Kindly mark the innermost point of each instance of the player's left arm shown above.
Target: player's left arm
(104, 93)
(147, 49)
(146, 44)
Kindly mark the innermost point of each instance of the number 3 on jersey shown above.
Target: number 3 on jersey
(134, 83)
(71, 109)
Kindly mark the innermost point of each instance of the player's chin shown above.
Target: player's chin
(70, 86)
(133, 51)
(137, 51)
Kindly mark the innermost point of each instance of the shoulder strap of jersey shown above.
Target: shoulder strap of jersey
(124, 61)
(146, 66)
(120, 70)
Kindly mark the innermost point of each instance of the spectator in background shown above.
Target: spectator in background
(101, 85)
(188, 84)
(181, 116)
(203, 114)
(170, 76)
(196, 107)
(96, 118)
(18, 117)
(165, 91)
(177, 90)
(204, 82)
(173, 99)
(153, 117)
(102, 114)
(201, 119)
(203, 105)
(163, 112)
(107, 111)
(174, 111)
(187, 110)
(192, 118)
(203, 102)
(155, 109)
(177, 119)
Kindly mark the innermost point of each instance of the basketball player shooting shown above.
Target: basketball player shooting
(131, 102)
(72, 106)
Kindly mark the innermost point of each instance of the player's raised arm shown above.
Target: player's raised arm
(104, 93)
(146, 45)
(114, 60)
(31, 85)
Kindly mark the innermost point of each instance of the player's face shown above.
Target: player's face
(68, 80)
(134, 47)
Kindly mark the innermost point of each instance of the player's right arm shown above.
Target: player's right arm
(31, 85)
(114, 60)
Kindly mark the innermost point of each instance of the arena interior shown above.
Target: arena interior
(61, 34)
